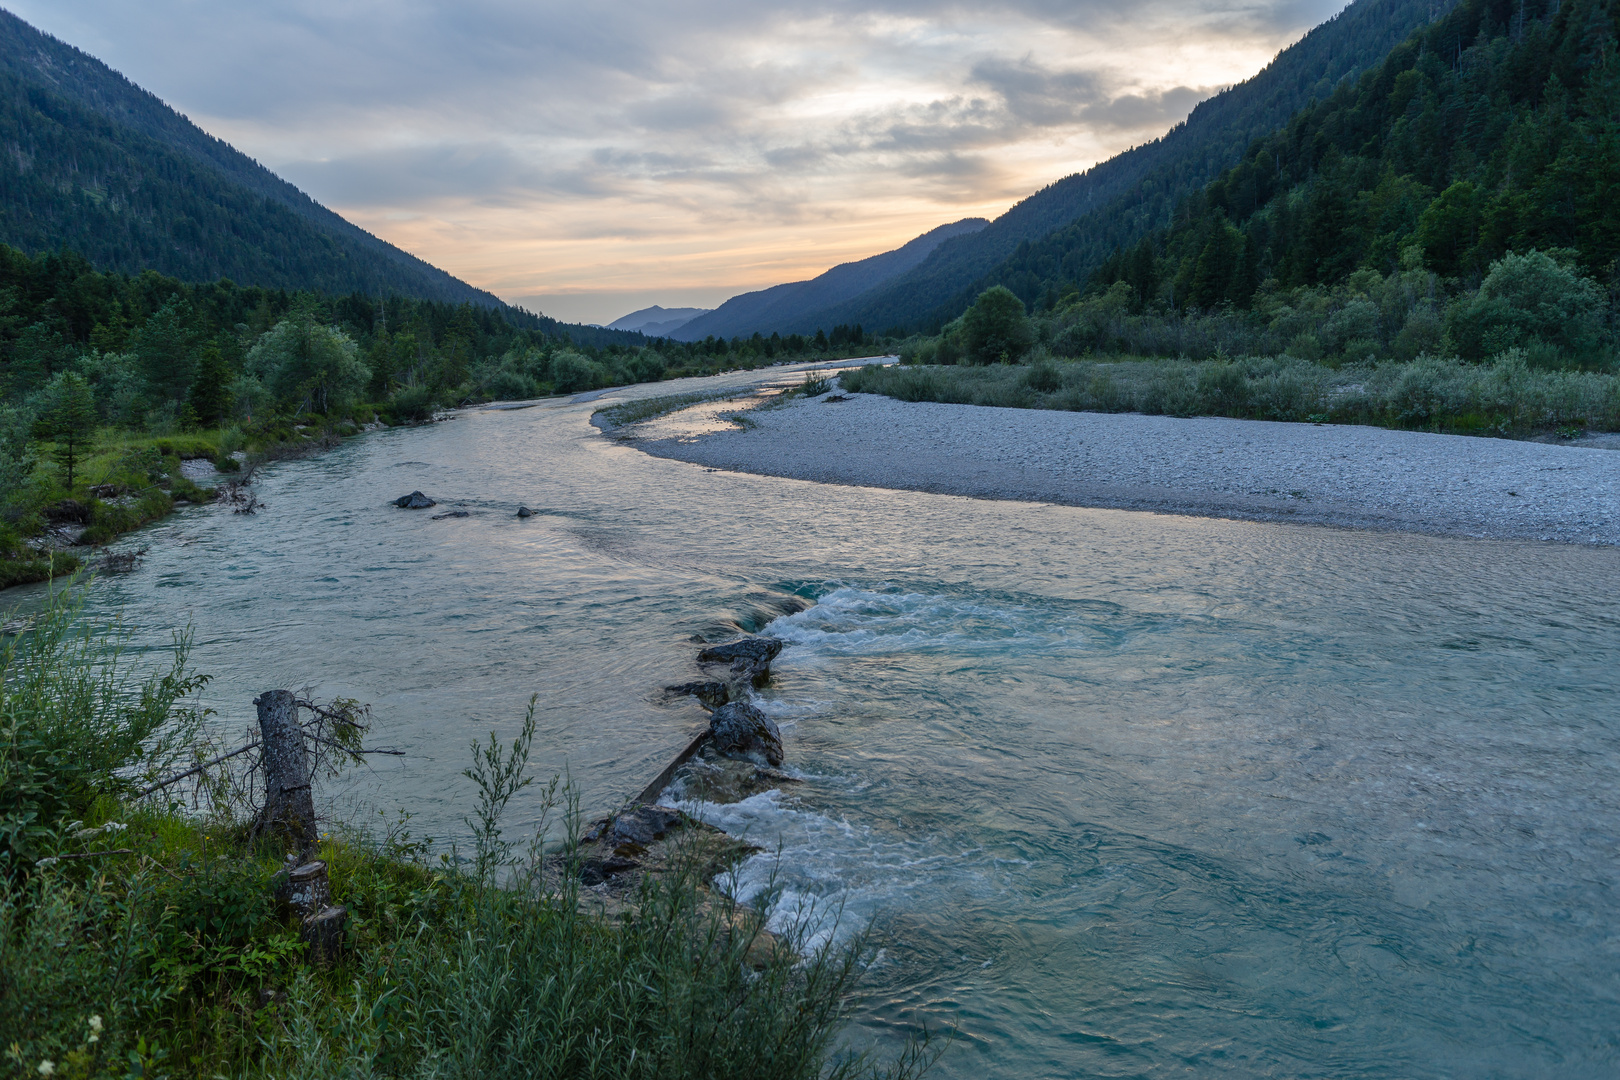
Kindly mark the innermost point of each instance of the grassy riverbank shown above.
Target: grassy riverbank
(123, 480)
(1504, 397)
(140, 936)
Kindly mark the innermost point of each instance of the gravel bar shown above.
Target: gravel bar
(1353, 477)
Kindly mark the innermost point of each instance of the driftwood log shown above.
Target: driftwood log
(289, 796)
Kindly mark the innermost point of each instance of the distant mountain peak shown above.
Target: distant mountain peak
(657, 321)
(785, 307)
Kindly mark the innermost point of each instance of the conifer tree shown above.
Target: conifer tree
(210, 390)
(69, 422)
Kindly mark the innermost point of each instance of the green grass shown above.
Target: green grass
(30, 571)
(1506, 397)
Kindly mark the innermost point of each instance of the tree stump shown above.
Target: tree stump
(289, 798)
(306, 889)
(323, 933)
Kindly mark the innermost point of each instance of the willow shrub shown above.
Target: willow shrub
(1504, 396)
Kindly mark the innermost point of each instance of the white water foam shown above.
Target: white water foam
(853, 620)
(822, 878)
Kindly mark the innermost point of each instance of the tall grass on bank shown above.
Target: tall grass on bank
(1505, 396)
(137, 940)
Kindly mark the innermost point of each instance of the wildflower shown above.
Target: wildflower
(47, 1067)
(95, 1029)
(43, 863)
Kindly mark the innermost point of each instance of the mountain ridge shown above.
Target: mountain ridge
(95, 162)
(1150, 177)
(782, 306)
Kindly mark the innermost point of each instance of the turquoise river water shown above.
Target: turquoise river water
(1122, 794)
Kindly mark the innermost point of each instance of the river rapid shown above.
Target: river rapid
(1121, 794)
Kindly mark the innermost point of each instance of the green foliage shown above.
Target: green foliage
(69, 420)
(1053, 240)
(165, 349)
(160, 950)
(1506, 396)
(76, 725)
(1532, 302)
(1490, 133)
(996, 328)
(16, 451)
(30, 571)
(304, 361)
(210, 389)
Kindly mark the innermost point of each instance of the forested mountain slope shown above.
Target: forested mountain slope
(787, 307)
(1494, 130)
(93, 162)
(1122, 198)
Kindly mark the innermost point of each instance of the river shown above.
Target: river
(1120, 794)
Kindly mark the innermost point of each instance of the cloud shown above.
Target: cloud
(542, 148)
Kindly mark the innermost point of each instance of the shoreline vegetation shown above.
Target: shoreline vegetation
(112, 382)
(1533, 349)
(147, 928)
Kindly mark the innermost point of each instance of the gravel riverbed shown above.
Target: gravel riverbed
(1354, 477)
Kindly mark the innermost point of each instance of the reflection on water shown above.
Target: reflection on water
(1124, 794)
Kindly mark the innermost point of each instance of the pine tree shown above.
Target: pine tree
(69, 422)
(210, 389)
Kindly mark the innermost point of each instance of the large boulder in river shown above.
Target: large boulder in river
(414, 501)
(741, 731)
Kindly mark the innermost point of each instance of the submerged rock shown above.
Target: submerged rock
(414, 501)
(712, 778)
(524, 511)
(451, 514)
(712, 694)
(643, 824)
(740, 730)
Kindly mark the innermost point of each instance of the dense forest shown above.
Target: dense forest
(1400, 214)
(158, 352)
(1078, 220)
(107, 379)
(1436, 245)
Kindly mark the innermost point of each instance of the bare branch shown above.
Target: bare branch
(194, 770)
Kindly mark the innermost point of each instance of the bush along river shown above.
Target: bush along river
(1120, 794)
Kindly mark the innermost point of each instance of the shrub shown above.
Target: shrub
(76, 725)
(996, 329)
(572, 373)
(1527, 301)
(412, 405)
(1043, 377)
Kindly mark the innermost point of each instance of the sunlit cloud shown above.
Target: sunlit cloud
(592, 158)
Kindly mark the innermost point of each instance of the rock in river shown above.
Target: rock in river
(452, 513)
(741, 731)
(414, 501)
(524, 511)
(756, 651)
(644, 824)
(711, 694)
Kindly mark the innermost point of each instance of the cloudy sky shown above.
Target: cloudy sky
(589, 158)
